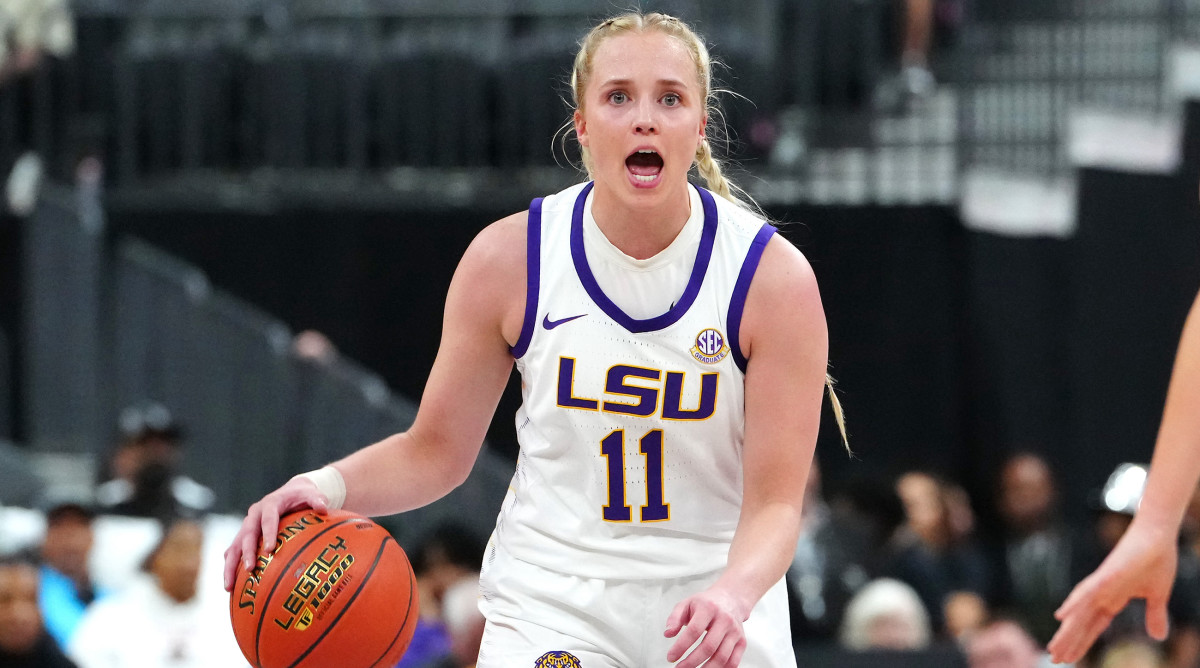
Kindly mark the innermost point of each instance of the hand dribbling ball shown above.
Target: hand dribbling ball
(337, 591)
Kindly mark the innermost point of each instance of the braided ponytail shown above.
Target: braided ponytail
(710, 170)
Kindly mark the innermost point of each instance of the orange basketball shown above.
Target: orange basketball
(337, 591)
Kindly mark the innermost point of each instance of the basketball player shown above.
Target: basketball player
(672, 350)
(1143, 563)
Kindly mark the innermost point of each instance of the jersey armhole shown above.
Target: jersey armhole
(737, 304)
(533, 274)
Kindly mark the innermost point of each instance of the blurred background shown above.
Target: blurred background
(246, 213)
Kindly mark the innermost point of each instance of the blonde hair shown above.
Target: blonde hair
(708, 166)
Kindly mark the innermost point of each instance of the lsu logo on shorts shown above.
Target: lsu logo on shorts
(557, 660)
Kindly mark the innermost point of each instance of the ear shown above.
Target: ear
(703, 129)
(580, 127)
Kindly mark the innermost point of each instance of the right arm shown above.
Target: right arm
(1143, 563)
(483, 317)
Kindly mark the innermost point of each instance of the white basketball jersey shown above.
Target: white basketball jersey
(630, 430)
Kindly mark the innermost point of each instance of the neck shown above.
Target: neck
(641, 230)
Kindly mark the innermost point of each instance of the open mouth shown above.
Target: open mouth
(645, 165)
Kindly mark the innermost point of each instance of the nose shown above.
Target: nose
(645, 122)
(646, 127)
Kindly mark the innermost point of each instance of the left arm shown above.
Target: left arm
(1144, 562)
(784, 336)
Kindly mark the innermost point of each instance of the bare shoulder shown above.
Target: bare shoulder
(784, 274)
(501, 244)
(490, 278)
(784, 300)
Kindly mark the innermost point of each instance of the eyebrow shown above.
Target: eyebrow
(669, 83)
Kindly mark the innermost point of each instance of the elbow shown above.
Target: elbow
(446, 464)
(457, 474)
(439, 456)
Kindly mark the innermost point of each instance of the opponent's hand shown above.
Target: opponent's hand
(718, 617)
(262, 520)
(1138, 567)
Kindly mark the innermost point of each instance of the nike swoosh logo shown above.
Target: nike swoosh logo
(551, 324)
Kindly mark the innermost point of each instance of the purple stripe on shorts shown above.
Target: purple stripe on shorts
(533, 274)
(738, 302)
(703, 255)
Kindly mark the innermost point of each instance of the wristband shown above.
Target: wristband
(329, 482)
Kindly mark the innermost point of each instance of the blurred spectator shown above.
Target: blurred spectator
(315, 346)
(966, 613)
(1034, 554)
(464, 623)
(828, 567)
(146, 481)
(30, 30)
(935, 552)
(23, 641)
(445, 557)
(159, 620)
(885, 614)
(917, 78)
(21, 530)
(1132, 654)
(872, 506)
(1115, 505)
(1005, 643)
(924, 26)
(67, 587)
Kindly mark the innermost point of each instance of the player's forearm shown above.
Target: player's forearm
(762, 550)
(1175, 467)
(397, 474)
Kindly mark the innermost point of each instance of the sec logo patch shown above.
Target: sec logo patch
(710, 346)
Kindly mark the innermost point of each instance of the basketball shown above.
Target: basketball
(337, 591)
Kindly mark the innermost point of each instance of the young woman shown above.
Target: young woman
(672, 350)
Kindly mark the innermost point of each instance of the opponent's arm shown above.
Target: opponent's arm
(1144, 561)
(483, 316)
(1175, 466)
(784, 337)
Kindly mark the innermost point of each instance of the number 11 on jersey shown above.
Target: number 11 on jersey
(651, 446)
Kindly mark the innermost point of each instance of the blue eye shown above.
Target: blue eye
(671, 100)
(617, 97)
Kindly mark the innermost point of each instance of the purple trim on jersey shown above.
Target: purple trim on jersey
(533, 275)
(738, 302)
(703, 254)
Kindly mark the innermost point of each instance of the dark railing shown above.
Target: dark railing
(111, 322)
(1027, 65)
(64, 292)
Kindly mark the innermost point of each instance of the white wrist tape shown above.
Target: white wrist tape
(329, 482)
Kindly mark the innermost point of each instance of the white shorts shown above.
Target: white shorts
(541, 619)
